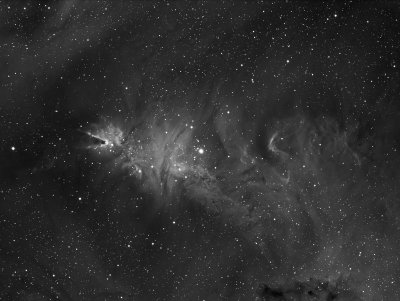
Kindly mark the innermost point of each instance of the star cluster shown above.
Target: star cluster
(199, 150)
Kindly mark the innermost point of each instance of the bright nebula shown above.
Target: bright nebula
(191, 150)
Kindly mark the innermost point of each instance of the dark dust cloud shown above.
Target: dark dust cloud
(200, 150)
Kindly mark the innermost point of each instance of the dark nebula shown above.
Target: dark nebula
(313, 289)
(200, 150)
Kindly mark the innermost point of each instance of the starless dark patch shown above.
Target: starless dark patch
(312, 289)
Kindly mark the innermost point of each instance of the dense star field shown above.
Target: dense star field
(200, 150)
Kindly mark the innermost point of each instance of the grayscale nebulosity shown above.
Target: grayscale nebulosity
(200, 150)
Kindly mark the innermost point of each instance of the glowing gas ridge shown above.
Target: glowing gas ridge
(160, 157)
(109, 137)
(248, 190)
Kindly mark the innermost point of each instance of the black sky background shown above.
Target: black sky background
(323, 76)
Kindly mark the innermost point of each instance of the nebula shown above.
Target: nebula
(199, 150)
